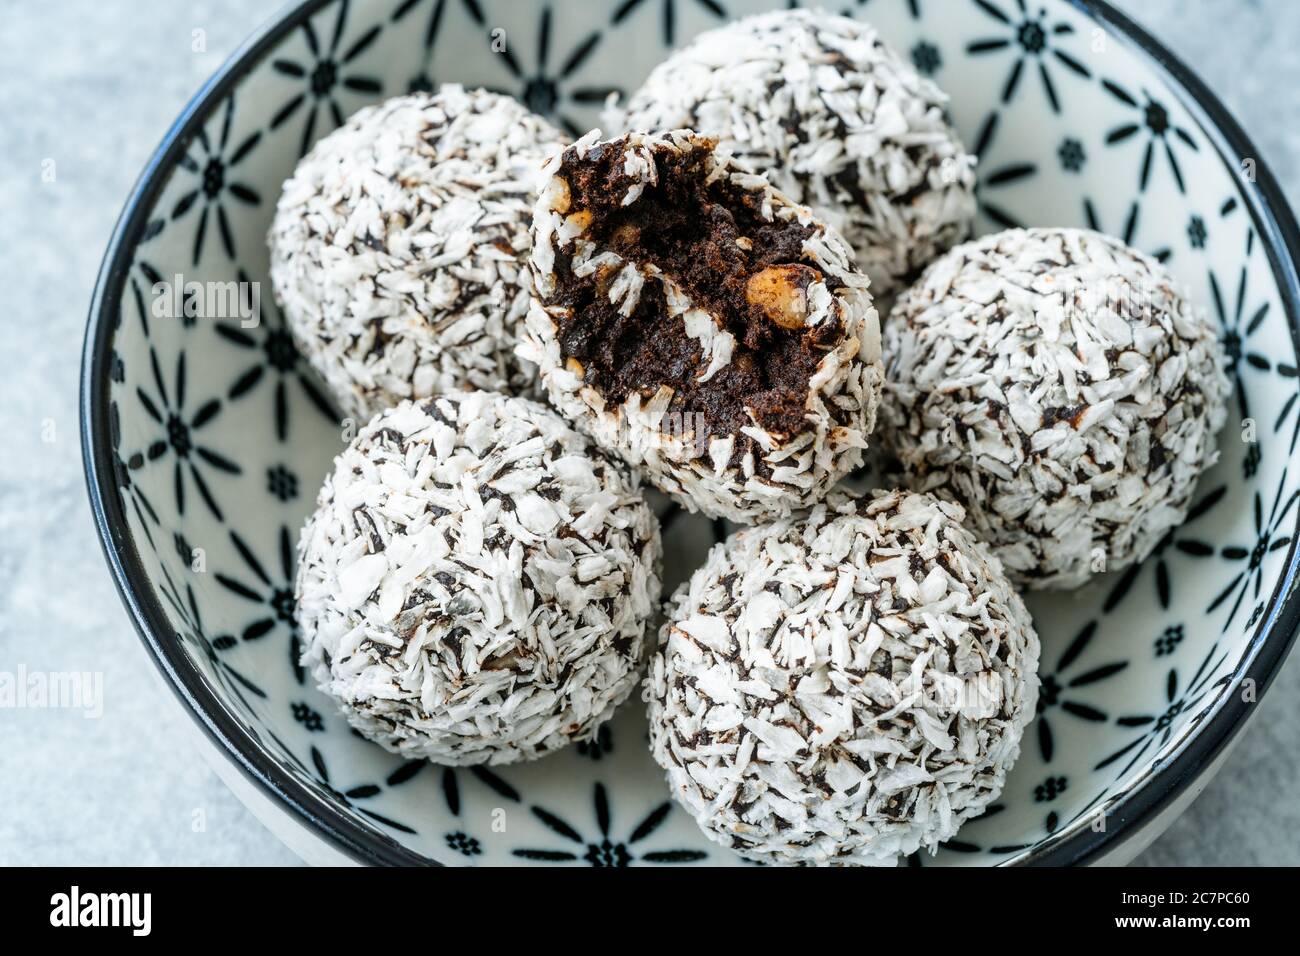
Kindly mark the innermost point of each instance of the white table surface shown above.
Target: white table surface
(93, 84)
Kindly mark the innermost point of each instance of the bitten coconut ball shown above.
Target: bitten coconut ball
(474, 585)
(846, 689)
(398, 245)
(1059, 385)
(837, 119)
(696, 321)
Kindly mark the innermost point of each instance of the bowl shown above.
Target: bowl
(205, 436)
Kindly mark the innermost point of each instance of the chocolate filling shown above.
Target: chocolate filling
(690, 231)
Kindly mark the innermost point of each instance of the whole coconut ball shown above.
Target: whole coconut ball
(474, 585)
(845, 689)
(398, 245)
(1061, 386)
(836, 119)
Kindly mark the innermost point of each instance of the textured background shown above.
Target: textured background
(93, 85)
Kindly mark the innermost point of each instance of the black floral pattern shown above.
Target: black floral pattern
(602, 850)
(214, 163)
(926, 58)
(1274, 531)
(123, 466)
(308, 716)
(1129, 231)
(325, 73)
(1169, 640)
(1071, 154)
(179, 439)
(282, 483)
(423, 81)
(1158, 728)
(1239, 323)
(1059, 689)
(1031, 39)
(352, 796)
(276, 360)
(1157, 127)
(190, 630)
(668, 13)
(545, 88)
(272, 593)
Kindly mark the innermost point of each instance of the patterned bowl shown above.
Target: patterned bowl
(205, 438)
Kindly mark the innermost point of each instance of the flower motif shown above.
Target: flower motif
(1158, 728)
(167, 408)
(1056, 689)
(423, 81)
(668, 17)
(1169, 640)
(1237, 330)
(1050, 789)
(122, 468)
(1031, 40)
(1158, 558)
(463, 843)
(183, 550)
(308, 716)
(274, 594)
(1128, 233)
(282, 483)
(1250, 461)
(190, 630)
(325, 74)
(996, 178)
(1071, 154)
(544, 91)
(1196, 233)
(926, 58)
(1159, 127)
(349, 797)
(1272, 533)
(603, 851)
(214, 165)
(276, 358)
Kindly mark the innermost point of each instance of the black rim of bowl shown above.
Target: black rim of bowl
(1131, 810)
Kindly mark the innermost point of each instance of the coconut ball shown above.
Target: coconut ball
(845, 689)
(398, 243)
(701, 324)
(837, 119)
(474, 584)
(1064, 389)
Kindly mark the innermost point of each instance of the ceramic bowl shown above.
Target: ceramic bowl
(206, 439)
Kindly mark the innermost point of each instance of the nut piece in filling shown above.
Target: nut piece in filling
(846, 689)
(475, 583)
(700, 324)
(1060, 386)
(836, 119)
(398, 246)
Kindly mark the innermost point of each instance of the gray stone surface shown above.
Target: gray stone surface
(92, 85)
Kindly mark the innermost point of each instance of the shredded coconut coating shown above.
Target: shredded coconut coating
(398, 244)
(837, 119)
(845, 689)
(1060, 386)
(749, 476)
(474, 585)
